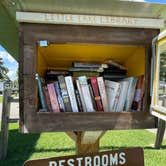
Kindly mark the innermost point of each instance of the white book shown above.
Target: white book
(122, 96)
(103, 94)
(71, 92)
(112, 89)
(130, 93)
(81, 95)
(86, 93)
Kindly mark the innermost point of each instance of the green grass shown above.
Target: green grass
(1, 99)
(31, 146)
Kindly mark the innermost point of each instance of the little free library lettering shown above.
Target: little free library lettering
(80, 74)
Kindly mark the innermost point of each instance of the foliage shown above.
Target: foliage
(3, 71)
(23, 147)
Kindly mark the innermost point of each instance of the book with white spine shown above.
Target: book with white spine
(112, 89)
(103, 94)
(71, 92)
(86, 93)
(122, 96)
(81, 95)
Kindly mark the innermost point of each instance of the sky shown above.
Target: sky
(12, 65)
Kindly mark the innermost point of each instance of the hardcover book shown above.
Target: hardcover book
(71, 92)
(96, 93)
(64, 93)
(41, 93)
(130, 93)
(60, 100)
(89, 65)
(122, 96)
(112, 90)
(53, 98)
(81, 96)
(47, 97)
(103, 94)
(86, 93)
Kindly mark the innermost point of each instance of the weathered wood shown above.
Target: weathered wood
(147, 98)
(86, 121)
(4, 126)
(31, 121)
(86, 34)
(72, 135)
(160, 133)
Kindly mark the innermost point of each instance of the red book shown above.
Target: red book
(53, 98)
(96, 93)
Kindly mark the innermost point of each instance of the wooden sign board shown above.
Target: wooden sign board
(123, 157)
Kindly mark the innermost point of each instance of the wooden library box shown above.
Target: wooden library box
(69, 43)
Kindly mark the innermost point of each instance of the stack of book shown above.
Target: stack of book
(61, 92)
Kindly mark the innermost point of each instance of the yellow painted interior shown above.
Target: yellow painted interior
(61, 56)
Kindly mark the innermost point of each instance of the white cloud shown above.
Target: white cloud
(12, 74)
(5, 55)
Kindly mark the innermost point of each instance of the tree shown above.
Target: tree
(3, 71)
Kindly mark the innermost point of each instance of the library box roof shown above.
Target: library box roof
(125, 8)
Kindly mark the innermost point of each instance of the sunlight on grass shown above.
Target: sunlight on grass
(23, 147)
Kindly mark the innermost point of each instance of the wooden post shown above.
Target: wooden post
(160, 133)
(4, 126)
(87, 141)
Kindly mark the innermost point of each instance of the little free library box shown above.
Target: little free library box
(53, 37)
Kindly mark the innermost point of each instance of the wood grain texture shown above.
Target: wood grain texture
(31, 121)
(5, 125)
(83, 121)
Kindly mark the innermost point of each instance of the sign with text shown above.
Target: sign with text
(93, 20)
(123, 157)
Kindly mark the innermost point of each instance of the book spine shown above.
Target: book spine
(47, 97)
(71, 92)
(79, 101)
(86, 94)
(85, 65)
(130, 93)
(103, 94)
(122, 96)
(41, 94)
(60, 100)
(64, 94)
(116, 98)
(96, 93)
(81, 96)
(53, 98)
(88, 69)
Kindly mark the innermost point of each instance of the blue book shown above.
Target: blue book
(58, 93)
(41, 93)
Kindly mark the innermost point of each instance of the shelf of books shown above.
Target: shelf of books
(76, 86)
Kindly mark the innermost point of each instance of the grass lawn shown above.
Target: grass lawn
(0, 99)
(31, 146)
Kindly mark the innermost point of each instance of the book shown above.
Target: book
(81, 96)
(41, 93)
(138, 94)
(79, 101)
(86, 93)
(64, 93)
(58, 93)
(71, 92)
(112, 91)
(53, 98)
(92, 97)
(103, 94)
(87, 69)
(115, 64)
(96, 93)
(89, 65)
(122, 96)
(87, 74)
(130, 93)
(47, 97)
